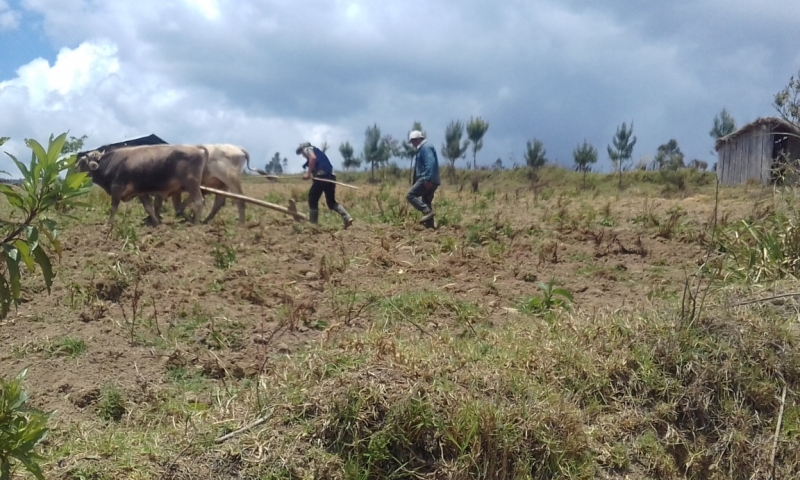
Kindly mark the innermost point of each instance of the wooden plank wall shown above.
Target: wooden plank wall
(746, 157)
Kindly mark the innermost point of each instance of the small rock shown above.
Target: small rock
(282, 348)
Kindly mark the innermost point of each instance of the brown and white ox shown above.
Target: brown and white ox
(223, 172)
(148, 170)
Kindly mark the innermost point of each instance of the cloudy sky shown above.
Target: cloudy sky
(269, 74)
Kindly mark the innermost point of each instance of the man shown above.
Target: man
(320, 167)
(426, 177)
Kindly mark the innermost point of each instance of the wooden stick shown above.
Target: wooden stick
(766, 299)
(275, 177)
(777, 434)
(292, 210)
(243, 429)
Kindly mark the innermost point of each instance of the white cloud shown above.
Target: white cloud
(9, 19)
(268, 74)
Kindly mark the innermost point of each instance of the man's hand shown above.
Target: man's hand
(306, 176)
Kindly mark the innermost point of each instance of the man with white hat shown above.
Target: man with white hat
(426, 177)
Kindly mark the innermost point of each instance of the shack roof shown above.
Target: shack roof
(772, 123)
(151, 139)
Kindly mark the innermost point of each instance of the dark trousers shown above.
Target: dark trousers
(417, 192)
(318, 188)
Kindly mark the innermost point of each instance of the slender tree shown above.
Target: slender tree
(669, 156)
(498, 164)
(274, 166)
(376, 150)
(476, 129)
(535, 158)
(406, 150)
(787, 101)
(348, 160)
(453, 148)
(585, 155)
(623, 148)
(724, 124)
(74, 144)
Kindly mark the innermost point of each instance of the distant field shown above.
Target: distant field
(391, 351)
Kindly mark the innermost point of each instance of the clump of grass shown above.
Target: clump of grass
(66, 347)
(111, 405)
(765, 249)
(224, 256)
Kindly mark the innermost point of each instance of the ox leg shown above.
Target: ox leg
(196, 197)
(219, 202)
(145, 199)
(114, 206)
(236, 188)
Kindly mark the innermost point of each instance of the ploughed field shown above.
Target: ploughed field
(392, 351)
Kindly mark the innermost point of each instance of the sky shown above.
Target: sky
(269, 74)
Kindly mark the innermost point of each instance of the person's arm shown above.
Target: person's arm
(427, 172)
(311, 162)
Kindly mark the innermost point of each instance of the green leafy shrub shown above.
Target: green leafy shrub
(30, 228)
(21, 429)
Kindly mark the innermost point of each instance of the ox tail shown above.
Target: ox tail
(205, 151)
(247, 157)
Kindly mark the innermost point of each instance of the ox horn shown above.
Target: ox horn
(93, 165)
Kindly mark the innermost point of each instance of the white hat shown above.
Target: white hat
(415, 134)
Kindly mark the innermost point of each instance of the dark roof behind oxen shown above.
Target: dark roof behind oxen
(151, 139)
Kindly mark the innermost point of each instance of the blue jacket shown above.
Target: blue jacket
(323, 164)
(426, 164)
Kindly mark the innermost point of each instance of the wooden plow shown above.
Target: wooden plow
(291, 210)
(276, 178)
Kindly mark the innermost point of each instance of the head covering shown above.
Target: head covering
(415, 134)
(302, 146)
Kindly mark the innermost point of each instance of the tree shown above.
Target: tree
(724, 124)
(349, 161)
(275, 166)
(535, 155)
(787, 101)
(285, 163)
(453, 148)
(406, 150)
(73, 144)
(623, 148)
(476, 129)
(584, 155)
(669, 156)
(498, 164)
(376, 150)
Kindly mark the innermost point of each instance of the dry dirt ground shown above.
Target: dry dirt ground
(137, 307)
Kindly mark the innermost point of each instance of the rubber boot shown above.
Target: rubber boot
(347, 220)
(313, 216)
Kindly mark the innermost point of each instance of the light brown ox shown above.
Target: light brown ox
(223, 172)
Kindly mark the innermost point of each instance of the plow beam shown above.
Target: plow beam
(291, 210)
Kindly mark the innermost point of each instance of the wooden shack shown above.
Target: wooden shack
(759, 151)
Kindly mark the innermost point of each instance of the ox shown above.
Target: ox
(142, 171)
(223, 172)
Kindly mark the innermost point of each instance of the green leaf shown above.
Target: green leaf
(75, 180)
(22, 168)
(25, 253)
(32, 234)
(54, 149)
(5, 297)
(14, 198)
(564, 293)
(12, 262)
(44, 263)
(38, 151)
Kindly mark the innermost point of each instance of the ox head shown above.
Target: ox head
(89, 162)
